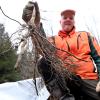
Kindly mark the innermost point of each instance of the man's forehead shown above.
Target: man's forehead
(68, 16)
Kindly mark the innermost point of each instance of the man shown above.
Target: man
(84, 47)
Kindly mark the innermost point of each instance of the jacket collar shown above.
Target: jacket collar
(62, 33)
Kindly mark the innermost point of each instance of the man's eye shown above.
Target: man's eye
(71, 18)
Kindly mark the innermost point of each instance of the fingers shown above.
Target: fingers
(27, 11)
(98, 87)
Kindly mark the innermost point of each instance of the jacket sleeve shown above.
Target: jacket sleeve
(95, 52)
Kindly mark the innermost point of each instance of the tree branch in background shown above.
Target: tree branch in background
(9, 17)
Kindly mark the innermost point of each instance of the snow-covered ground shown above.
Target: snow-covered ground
(23, 90)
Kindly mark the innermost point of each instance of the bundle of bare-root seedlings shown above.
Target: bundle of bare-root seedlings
(43, 47)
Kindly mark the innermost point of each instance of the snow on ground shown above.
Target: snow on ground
(23, 90)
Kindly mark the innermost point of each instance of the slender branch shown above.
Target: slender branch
(5, 51)
(15, 33)
(9, 17)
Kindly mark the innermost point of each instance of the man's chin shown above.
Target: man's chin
(68, 29)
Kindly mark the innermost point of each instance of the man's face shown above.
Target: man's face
(67, 22)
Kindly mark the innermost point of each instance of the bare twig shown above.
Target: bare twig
(9, 17)
(6, 51)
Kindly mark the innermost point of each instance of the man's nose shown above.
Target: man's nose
(68, 18)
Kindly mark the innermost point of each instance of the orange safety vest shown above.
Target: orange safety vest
(76, 43)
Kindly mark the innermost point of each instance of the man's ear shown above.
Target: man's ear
(60, 21)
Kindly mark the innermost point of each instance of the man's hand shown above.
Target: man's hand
(27, 11)
(31, 14)
(98, 87)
